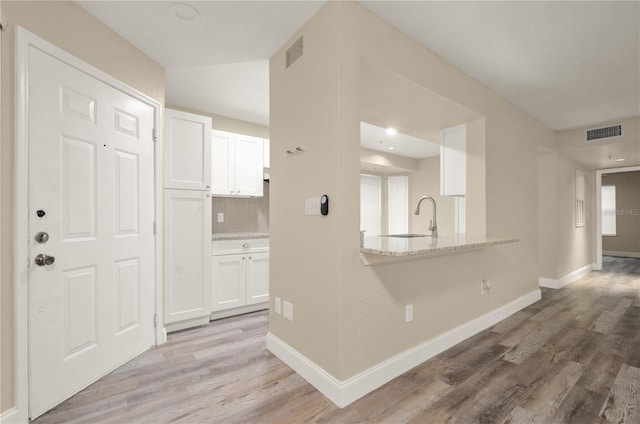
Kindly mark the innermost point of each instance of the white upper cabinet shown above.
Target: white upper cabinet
(267, 153)
(187, 151)
(237, 164)
(453, 161)
(222, 173)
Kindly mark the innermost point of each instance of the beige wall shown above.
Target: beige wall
(547, 214)
(628, 213)
(574, 246)
(376, 162)
(426, 182)
(563, 247)
(349, 317)
(596, 154)
(224, 123)
(68, 26)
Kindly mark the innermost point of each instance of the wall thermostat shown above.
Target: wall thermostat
(324, 205)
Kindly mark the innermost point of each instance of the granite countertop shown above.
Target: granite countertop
(237, 236)
(415, 246)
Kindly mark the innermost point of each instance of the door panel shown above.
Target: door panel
(187, 151)
(248, 165)
(229, 281)
(222, 153)
(257, 278)
(91, 174)
(187, 234)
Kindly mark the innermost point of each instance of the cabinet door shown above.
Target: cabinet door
(248, 165)
(229, 281)
(222, 153)
(187, 151)
(453, 161)
(257, 278)
(187, 250)
(266, 153)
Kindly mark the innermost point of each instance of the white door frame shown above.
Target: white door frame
(599, 173)
(25, 40)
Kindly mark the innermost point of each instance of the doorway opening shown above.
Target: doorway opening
(606, 221)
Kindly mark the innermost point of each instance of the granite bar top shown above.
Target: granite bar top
(237, 236)
(419, 246)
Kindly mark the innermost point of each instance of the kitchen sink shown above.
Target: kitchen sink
(406, 235)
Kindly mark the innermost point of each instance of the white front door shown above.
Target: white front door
(91, 190)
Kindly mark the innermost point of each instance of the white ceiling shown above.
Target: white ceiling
(376, 138)
(570, 64)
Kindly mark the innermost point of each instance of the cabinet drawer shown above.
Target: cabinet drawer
(229, 247)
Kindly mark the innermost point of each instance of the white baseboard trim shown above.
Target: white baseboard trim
(10, 416)
(238, 311)
(342, 393)
(621, 254)
(567, 279)
(188, 323)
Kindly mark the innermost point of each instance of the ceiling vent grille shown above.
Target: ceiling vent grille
(295, 51)
(604, 132)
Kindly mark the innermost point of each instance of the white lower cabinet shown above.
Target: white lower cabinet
(240, 280)
(257, 278)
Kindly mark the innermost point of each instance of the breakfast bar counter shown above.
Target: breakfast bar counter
(408, 245)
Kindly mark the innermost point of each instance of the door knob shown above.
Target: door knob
(42, 260)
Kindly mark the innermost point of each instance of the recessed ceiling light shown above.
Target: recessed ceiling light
(619, 160)
(391, 131)
(184, 13)
(391, 148)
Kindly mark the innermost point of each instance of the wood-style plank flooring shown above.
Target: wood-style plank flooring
(573, 357)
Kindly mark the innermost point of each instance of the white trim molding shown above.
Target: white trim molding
(342, 393)
(567, 279)
(10, 416)
(621, 254)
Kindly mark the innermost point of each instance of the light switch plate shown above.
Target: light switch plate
(220, 216)
(312, 206)
(408, 313)
(278, 306)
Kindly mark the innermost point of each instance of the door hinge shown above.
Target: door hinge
(154, 134)
(155, 319)
(155, 228)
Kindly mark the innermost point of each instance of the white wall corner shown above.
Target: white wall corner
(342, 393)
(10, 416)
(567, 279)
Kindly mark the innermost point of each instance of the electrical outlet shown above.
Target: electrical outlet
(408, 313)
(220, 217)
(287, 310)
(485, 287)
(278, 306)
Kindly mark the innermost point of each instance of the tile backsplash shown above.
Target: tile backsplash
(242, 215)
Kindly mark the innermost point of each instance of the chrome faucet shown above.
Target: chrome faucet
(433, 224)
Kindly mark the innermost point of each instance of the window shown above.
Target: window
(370, 204)
(608, 210)
(398, 204)
(384, 204)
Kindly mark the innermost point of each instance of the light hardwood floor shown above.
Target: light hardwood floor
(573, 357)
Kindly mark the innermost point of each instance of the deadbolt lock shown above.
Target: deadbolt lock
(42, 237)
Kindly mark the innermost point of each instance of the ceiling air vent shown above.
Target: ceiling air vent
(604, 132)
(295, 51)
